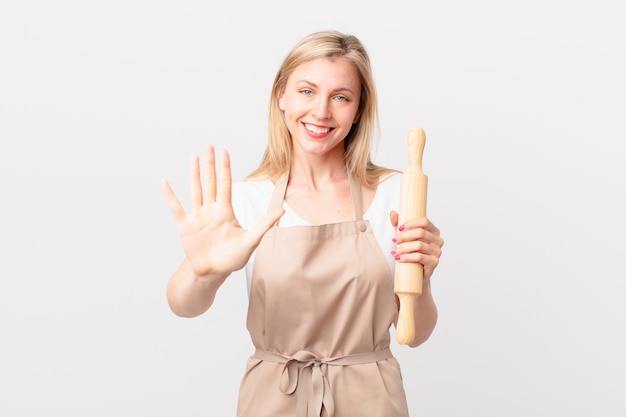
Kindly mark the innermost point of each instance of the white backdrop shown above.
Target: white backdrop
(523, 106)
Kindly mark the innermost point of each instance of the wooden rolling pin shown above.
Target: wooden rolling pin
(409, 275)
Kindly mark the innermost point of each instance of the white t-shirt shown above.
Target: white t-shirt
(251, 200)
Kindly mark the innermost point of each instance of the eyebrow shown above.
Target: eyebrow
(336, 90)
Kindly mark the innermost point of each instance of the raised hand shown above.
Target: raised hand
(212, 238)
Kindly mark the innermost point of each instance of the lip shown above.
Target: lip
(317, 135)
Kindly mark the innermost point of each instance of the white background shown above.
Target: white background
(523, 104)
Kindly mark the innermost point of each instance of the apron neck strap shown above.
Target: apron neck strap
(278, 196)
(280, 188)
(357, 199)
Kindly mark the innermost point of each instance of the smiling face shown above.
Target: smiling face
(320, 104)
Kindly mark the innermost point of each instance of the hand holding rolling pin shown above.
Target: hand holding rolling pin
(418, 246)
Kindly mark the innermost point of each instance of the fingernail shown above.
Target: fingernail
(393, 252)
(394, 240)
(401, 228)
(397, 257)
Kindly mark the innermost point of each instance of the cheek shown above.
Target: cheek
(350, 118)
(294, 109)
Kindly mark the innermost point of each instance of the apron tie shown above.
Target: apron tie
(309, 371)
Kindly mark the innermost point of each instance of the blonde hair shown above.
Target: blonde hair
(358, 143)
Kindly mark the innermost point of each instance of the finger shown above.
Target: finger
(431, 235)
(420, 222)
(432, 228)
(175, 206)
(419, 252)
(419, 229)
(225, 182)
(418, 239)
(428, 261)
(194, 182)
(418, 247)
(209, 174)
(425, 223)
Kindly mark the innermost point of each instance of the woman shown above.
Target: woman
(321, 299)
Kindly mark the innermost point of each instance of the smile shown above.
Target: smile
(316, 129)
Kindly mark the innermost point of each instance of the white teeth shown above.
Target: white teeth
(315, 129)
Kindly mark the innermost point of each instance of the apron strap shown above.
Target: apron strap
(357, 199)
(278, 196)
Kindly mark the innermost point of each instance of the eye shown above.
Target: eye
(341, 98)
(306, 92)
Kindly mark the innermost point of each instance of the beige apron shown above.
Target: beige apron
(321, 305)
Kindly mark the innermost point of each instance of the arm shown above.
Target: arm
(418, 240)
(189, 294)
(425, 313)
(215, 244)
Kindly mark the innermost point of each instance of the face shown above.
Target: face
(320, 104)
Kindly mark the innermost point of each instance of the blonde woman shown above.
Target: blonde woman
(315, 228)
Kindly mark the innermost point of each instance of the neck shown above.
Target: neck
(316, 170)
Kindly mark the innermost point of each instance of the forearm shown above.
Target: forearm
(425, 313)
(190, 295)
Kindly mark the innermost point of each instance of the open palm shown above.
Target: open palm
(211, 236)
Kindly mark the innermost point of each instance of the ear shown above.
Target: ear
(281, 102)
(357, 116)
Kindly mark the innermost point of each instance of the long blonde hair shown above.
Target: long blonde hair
(358, 142)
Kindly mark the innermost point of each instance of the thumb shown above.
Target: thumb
(393, 217)
(266, 223)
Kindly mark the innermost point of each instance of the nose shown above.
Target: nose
(321, 109)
